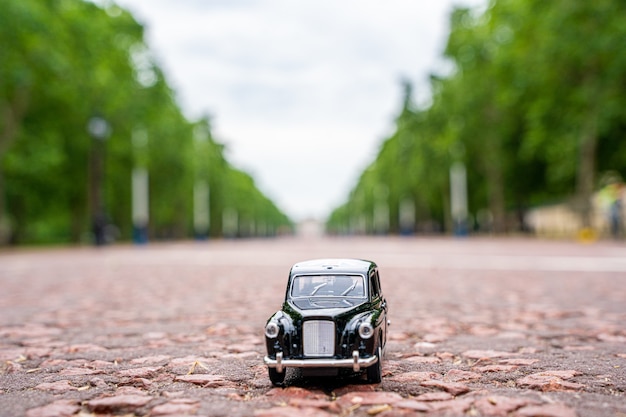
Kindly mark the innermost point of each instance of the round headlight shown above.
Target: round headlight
(271, 330)
(365, 330)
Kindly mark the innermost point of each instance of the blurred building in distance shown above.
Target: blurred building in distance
(310, 228)
(562, 220)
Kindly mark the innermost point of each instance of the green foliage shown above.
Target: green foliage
(64, 62)
(534, 108)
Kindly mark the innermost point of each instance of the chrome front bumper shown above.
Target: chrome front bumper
(356, 363)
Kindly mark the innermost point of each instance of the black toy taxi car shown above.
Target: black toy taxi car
(334, 317)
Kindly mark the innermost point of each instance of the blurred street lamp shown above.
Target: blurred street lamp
(201, 190)
(201, 209)
(458, 198)
(140, 204)
(140, 187)
(99, 130)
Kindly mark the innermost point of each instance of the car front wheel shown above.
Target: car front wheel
(374, 372)
(276, 377)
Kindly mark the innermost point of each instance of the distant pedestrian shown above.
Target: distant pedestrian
(100, 230)
(612, 196)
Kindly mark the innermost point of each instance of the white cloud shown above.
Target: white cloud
(303, 92)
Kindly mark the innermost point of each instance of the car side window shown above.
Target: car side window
(374, 284)
(380, 290)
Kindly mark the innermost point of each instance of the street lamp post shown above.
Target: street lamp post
(458, 198)
(99, 130)
(140, 187)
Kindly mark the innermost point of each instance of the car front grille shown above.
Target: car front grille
(319, 338)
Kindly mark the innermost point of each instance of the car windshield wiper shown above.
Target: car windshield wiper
(318, 287)
(346, 292)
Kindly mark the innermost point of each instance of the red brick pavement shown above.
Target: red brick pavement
(480, 327)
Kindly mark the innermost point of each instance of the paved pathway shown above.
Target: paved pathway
(480, 327)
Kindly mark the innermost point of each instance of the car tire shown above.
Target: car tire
(276, 377)
(374, 372)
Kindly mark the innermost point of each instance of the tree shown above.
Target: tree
(534, 107)
(66, 62)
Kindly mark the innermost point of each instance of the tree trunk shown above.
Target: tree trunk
(11, 114)
(495, 185)
(492, 163)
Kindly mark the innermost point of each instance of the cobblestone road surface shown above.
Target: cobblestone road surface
(480, 327)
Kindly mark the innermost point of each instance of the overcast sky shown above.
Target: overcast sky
(302, 92)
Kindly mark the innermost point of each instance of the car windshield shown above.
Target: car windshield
(328, 286)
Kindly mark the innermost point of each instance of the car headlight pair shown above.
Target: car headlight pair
(366, 330)
(272, 330)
